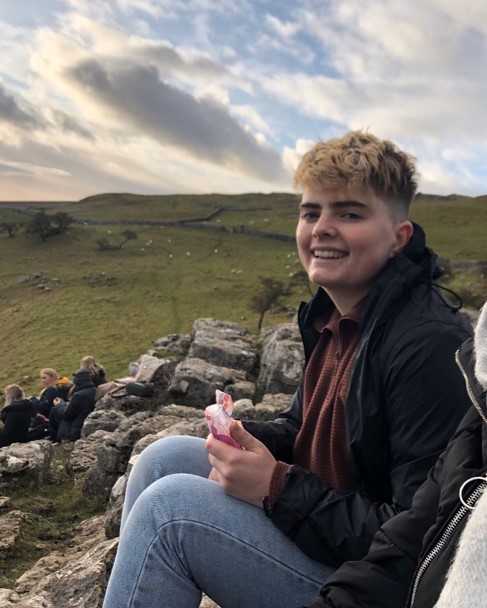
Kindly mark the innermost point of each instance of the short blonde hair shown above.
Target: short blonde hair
(361, 161)
(13, 392)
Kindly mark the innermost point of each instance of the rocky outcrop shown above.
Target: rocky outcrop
(189, 369)
(24, 463)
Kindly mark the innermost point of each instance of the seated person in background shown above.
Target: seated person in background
(42, 405)
(16, 416)
(379, 398)
(97, 372)
(434, 554)
(66, 419)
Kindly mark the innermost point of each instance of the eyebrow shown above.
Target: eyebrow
(334, 204)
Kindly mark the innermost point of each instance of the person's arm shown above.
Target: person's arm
(7, 428)
(46, 400)
(424, 397)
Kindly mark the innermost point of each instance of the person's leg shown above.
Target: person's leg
(55, 417)
(184, 535)
(176, 454)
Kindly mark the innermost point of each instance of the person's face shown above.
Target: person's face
(345, 239)
(46, 380)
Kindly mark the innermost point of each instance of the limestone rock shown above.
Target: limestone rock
(223, 344)
(10, 526)
(282, 359)
(195, 381)
(25, 463)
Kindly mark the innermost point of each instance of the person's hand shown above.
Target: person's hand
(245, 474)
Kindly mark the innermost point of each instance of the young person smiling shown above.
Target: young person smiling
(379, 398)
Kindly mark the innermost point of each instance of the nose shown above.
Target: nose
(324, 227)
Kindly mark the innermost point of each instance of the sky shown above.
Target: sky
(201, 96)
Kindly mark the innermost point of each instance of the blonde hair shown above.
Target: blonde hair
(13, 392)
(90, 363)
(49, 371)
(361, 161)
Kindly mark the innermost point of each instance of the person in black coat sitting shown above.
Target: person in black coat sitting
(97, 371)
(66, 419)
(15, 416)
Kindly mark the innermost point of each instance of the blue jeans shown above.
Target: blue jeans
(181, 535)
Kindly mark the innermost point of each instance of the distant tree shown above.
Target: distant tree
(270, 295)
(11, 227)
(105, 245)
(46, 226)
(299, 280)
(128, 235)
(60, 222)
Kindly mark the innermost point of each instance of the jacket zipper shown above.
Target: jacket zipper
(462, 511)
(455, 520)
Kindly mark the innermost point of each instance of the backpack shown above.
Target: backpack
(140, 389)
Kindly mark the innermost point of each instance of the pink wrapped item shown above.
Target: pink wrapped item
(219, 418)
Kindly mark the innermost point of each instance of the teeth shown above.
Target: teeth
(329, 254)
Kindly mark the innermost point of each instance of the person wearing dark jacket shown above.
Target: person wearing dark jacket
(97, 371)
(67, 419)
(42, 405)
(379, 398)
(16, 416)
(414, 553)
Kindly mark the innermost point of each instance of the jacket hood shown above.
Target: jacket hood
(480, 347)
(20, 405)
(472, 360)
(82, 378)
(418, 253)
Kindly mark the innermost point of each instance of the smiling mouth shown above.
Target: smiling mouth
(327, 255)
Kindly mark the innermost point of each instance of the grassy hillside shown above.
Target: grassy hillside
(113, 304)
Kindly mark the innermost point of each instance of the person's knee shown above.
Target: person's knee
(167, 455)
(176, 496)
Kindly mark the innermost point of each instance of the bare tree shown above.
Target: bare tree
(271, 294)
(105, 245)
(11, 227)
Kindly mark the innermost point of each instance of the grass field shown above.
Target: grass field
(113, 304)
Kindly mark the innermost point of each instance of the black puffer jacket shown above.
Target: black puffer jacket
(405, 398)
(16, 420)
(410, 556)
(81, 404)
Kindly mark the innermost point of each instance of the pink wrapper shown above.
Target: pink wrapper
(219, 418)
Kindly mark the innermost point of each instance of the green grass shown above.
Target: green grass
(51, 518)
(162, 287)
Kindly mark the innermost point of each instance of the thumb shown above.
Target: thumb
(243, 437)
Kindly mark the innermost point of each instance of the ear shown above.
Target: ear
(404, 231)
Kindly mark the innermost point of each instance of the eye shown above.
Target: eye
(351, 215)
(309, 216)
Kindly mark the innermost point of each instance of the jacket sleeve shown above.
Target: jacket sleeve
(383, 578)
(279, 435)
(73, 408)
(46, 400)
(420, 402)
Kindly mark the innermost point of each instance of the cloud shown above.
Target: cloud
(11, 112)
(202, 127)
